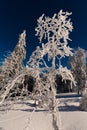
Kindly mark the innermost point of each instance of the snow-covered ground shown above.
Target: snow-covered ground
(18, 118)
(71, 117)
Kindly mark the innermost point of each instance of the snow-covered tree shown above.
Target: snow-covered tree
(13, 63)
(55, 34)
(78, 68)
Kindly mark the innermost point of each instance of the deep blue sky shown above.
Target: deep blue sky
(17, 15)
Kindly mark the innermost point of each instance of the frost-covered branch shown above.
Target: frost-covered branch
(56, 31)
(55, 28)
(66, 74)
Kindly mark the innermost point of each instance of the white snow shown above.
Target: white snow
(71, 116)
(18, 118)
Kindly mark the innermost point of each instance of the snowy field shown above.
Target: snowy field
(18, 118)
(70, 115)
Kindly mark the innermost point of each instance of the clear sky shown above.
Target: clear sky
(19, 15)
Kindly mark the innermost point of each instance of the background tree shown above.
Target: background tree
(13, 63)
(78, 68)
